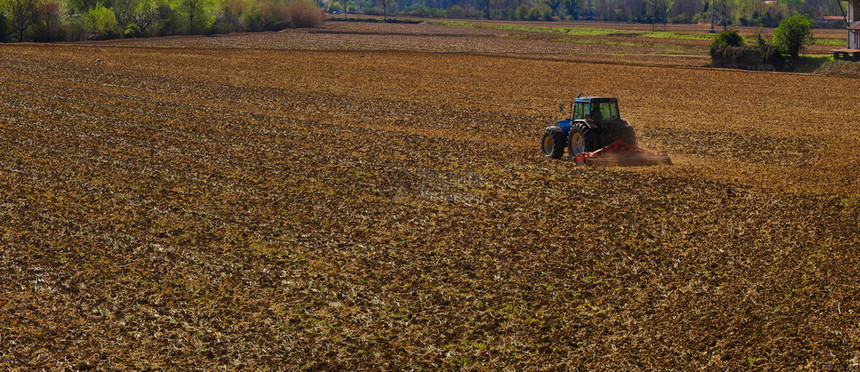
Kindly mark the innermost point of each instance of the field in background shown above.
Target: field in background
(372, 195)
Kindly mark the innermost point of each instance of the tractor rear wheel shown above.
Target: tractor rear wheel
(552, 143)
(627, 134)
(581, 139)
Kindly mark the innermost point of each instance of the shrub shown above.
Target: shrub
(681, 18)
(76, 30)
(416, 10)
(793, 34)
(727, 44)
(172, 22)
(840, 68)
(305, 14)
(533, 14)
(728, 38)
(230, 18)
(276, 16)
(373, 11)
(522, 12)
(547, 14)
(252, 19)
(456, 12)
(132, 31)
(769, 52)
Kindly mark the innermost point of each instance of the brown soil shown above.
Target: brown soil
(191, 203)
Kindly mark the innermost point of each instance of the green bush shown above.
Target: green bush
(769, 53)
(102, 23)
(456, 12)
(522, 12)
(252, 19)
(76, 30)
(548, 14)
(793, 34)
(132, 31)
(728, 38)
(727, 44)
(171, 22)
(230, 17)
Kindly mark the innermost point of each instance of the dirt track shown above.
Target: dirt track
(190, 208)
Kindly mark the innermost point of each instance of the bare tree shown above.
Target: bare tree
(659, 12)
(385, 4)
(553, 4)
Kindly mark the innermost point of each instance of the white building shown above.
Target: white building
(853, 24)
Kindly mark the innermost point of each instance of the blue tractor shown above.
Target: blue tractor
(595, 133)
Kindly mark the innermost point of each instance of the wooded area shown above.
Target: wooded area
(55, 20)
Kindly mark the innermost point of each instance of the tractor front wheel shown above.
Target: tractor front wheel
(552, 143)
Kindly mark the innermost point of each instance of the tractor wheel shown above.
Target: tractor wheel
(552, 143)
(627, 134)
(581, 139)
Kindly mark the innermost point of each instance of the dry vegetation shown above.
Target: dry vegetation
(215, 204)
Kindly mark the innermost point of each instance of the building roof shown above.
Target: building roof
(854, 26)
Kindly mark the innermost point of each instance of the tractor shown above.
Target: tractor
(596, 134)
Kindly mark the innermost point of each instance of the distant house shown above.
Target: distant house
(852, 50)
(824, 19)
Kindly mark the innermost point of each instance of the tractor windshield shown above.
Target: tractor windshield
(604, 111)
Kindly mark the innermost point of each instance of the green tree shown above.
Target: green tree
(84, 6)
(102, 22)
(793, 34)
(553, 5)
(194, 10)
(572, 7)
(23, 14)
(522, 12)
(145, 16)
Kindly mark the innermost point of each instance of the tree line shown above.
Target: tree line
(73, 20)
(722, 12)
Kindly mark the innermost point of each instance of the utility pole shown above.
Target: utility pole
(712, 18)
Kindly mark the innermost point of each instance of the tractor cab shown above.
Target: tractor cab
(597, 109)
(595, 112)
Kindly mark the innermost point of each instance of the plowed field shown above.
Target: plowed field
(187, 205)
